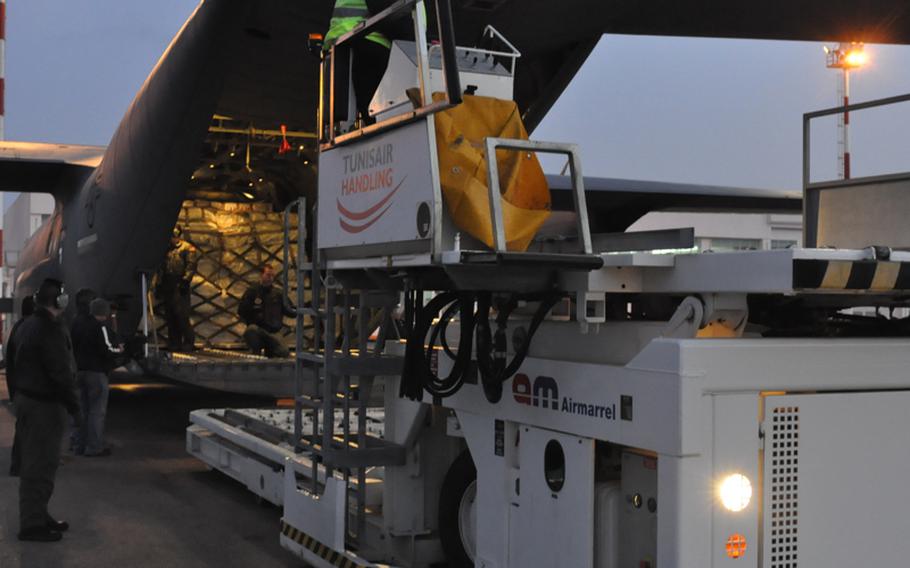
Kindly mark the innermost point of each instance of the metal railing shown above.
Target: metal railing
(334, 79)
(490, 33)
(812, 190)
(302, 270)
(495, 197)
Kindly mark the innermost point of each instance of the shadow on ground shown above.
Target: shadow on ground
(149, 504)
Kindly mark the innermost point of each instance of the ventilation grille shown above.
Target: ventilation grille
(785, 487)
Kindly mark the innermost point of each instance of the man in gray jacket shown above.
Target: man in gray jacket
(45, 392)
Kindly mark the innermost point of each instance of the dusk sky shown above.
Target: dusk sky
(671, 109)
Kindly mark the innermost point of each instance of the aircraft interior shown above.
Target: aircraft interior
(234, 216)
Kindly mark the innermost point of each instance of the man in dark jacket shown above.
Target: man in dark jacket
(9, 357)
(96, 350)
(174, 289)
(262, 309)
(45, 392)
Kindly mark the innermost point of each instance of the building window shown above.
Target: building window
(782, 244)
(727, 245)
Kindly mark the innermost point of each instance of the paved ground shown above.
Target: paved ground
(148, 505)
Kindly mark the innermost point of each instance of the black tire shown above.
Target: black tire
(460, 476)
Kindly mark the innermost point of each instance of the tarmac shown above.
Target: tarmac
(149, 504)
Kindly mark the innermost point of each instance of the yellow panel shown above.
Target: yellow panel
(460, 134)
(837, 275)
(885, 276)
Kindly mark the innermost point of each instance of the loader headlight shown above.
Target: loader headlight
(735, 492)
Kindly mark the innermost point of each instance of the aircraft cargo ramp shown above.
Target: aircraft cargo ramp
(229, 371)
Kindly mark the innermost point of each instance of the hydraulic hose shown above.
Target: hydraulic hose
(418, 366)
(475, 328)
(491, 349)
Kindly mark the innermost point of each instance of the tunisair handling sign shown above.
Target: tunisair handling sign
(370, 191)
(367, 171)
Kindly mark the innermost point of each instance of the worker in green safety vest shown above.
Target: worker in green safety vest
(370, 53)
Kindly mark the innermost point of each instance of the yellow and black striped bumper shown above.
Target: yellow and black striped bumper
(331, 556)
(872, 275)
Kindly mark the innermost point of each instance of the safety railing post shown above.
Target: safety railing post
(336, 71)
(494, 193)
(146, 307)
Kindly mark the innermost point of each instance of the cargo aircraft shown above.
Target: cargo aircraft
(229, 113)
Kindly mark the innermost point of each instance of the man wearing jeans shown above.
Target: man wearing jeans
(95, 351)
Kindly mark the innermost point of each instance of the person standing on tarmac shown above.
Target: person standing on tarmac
(9, 357)
(84, 298)
(45, 392)
(96, 350)
(370, 53)
(174, 290)
(262, 309)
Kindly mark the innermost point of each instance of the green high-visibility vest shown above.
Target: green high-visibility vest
(345, 17)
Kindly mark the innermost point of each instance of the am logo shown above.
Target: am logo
(544, 392)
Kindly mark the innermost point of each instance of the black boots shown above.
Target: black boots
(52, 531)
(40, 534)
(59, 526)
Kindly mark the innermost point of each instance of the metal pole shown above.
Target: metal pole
(145, 313)
(3, 83)
(300, 274)
(315, 303)
(328, 386)
(419, 14)
(447, 38)
(810, 198)
(496, 221)
(845, 161)
(2, 68)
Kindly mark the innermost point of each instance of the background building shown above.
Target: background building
(20, 221)
(726, 232)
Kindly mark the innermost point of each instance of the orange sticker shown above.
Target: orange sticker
(736, 546)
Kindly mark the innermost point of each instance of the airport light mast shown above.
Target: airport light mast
(845, 57)
(2, 67)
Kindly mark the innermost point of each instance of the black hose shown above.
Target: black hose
(418, 367)
(419, 374)
(449, 386)
(444, 326)
(440, 329)
(491, 352)
(542, 310)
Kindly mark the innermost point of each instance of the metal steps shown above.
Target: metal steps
(339, 364)
(354, 364)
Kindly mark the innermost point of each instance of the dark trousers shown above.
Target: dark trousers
(14, 452)
(15, 458)
(40, 426)
(88, 437)
(180, 334)
(259, 339)
(368, 67)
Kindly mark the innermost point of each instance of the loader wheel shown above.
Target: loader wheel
(458, 513)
